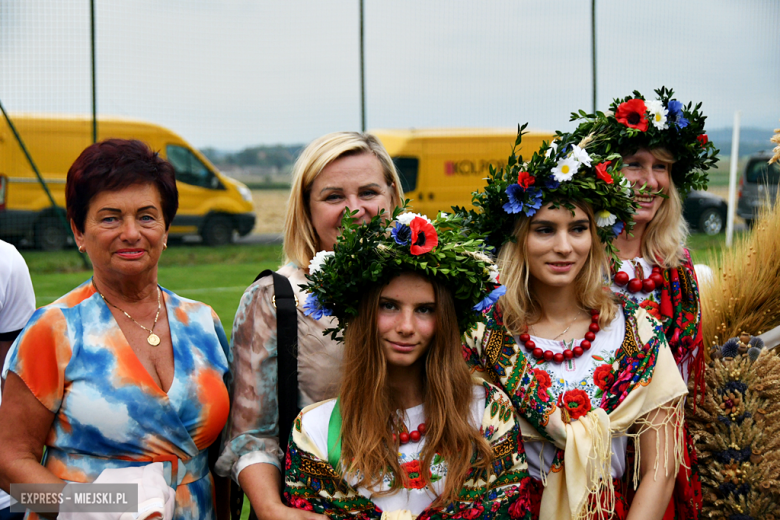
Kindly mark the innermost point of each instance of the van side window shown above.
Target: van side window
(760, 172)
(407, 170)
(189, 169)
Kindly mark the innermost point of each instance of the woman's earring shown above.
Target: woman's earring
(82, 249)
(165, 246)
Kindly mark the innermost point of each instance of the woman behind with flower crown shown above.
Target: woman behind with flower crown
(588, 373)
(411, 435)
(664, 148)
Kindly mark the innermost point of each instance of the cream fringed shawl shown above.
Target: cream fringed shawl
(585, 469)
(587, 448)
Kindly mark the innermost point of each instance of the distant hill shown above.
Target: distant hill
(279, 157)
(751, 140)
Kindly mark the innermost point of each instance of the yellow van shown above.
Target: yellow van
(440, 168)
(210, 203)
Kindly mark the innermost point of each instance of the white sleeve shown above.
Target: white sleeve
(17, 298)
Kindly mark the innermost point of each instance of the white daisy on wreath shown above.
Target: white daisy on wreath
(580, 155)
(319, 260)
(604, 218)
(658, 113)
(407, 217)
(565, 169)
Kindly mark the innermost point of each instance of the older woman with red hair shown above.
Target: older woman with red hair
(119, 373)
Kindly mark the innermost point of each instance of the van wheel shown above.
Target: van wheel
(217, 231)
(749, 223)
(50, 235)
(710, 222)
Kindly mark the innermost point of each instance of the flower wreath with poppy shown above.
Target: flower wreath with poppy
(634, 122)
(563, 172)
(371, 253)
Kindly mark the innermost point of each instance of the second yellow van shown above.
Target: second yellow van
(440, 168)
(210, 203)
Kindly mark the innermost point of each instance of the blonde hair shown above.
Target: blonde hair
(300, 238)
(521, 307)
(663, 241)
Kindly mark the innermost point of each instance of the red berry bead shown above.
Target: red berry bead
(594, 318)
(621, 278)
(538, 353)
(578, 351)
(548, 355)
(558, 357)
(648, 285)
(530, 345)
(394, 437)
(590, 336)
(585, 345)
(657, 278)
(656, 269)
(568, 354)
(594, 311)
(415, 436)
(594, 327)
(635, 285)
(404, 437)
(422, 428)
(525, 337)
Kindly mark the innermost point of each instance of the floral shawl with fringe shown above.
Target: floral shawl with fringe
(646, 379)
(311, 483)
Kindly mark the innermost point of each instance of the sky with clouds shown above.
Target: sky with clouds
(235, 73)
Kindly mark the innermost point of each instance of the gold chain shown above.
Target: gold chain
(153, 339)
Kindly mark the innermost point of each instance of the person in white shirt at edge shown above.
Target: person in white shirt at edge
(17, 304)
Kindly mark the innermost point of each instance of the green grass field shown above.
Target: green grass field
(216, 276)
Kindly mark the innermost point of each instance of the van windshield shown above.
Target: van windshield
(407, 170)
(759, 172)
(189, 169)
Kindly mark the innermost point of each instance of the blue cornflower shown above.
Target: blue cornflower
(490, 299)
(402, 234)
(551, 184)
(515, 193)
(617, 228)
(675, 114)
(315, 309)
(534, 204)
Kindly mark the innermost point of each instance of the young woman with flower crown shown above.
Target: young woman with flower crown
(411, 435)
(587, 372)
(664, 148)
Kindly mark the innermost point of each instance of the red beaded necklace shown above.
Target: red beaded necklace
(414, 435)
(640, 283)
(567, 354)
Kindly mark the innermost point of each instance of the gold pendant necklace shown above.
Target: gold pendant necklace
(153, 339)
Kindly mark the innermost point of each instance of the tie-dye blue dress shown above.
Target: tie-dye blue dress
(109, 412)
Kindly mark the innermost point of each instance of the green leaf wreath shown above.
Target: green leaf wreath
(374, 252)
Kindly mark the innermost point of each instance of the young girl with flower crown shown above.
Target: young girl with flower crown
(410, 435)
(589, 373)
(664, 148)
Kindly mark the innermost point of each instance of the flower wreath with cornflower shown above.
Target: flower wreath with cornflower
(559, 174)
(634, 122)
(374, 252)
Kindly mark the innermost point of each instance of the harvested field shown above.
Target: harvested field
(270, 207)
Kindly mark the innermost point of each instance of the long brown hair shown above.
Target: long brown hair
(520, 306)
(368, 408)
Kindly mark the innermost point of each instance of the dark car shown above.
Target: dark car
(705, 212)
(758, 186)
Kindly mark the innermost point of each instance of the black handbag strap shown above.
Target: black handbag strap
(285, 302)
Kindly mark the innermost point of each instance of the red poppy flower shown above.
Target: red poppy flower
(633, 114)
(601, 172)
(603, 377)
(525, 180)
(703, 140)
(424, 237)
(577, 403)
(414, 474)
(542, 378)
